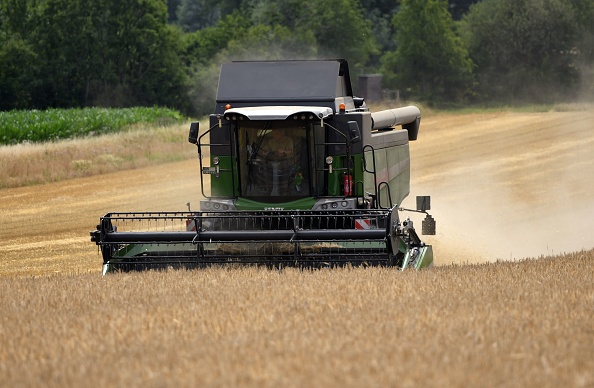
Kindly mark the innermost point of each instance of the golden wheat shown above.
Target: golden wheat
(526, 323)
(142, 145)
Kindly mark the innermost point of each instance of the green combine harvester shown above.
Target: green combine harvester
(295, 171)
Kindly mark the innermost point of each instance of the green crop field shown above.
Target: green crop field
(53, 124)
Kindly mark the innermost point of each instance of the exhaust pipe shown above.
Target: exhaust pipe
(409, 117)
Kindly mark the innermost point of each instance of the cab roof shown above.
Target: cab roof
(284, 81)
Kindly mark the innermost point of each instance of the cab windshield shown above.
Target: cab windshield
(274, 160)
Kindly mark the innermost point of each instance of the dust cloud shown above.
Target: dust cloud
(507, 186)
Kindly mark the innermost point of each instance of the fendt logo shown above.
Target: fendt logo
(274, 209)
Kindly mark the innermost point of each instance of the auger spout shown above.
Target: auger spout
(409, 117)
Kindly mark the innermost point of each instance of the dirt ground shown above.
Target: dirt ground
(503, 185)
(507, 185)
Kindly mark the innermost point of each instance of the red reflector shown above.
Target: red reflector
(363, 224)
(190, 225)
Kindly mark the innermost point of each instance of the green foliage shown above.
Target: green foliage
(259, 42)
(203, 45)
(584, 62)
(194, 15)
(523, 48)
(172, 6)
(54, 124)
(93, 52)
(338, 26)
(16, 73)
(341, 30)
(76, 53)
(458, 8)
(380, 13)
(430, 61)
(269, 42)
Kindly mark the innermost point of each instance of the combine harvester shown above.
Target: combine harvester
(295, 171)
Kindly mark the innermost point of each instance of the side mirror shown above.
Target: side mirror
(423, 203)
(354, 131)
(193, 136)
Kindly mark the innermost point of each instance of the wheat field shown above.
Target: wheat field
(141, 145)
(505, 186)
(525, 323)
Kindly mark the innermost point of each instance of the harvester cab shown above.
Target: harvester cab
(295, 170)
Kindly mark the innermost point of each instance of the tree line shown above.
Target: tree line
(114, 53)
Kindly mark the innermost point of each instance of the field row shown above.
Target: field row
(53, 124)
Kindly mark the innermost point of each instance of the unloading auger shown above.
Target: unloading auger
(295, 171)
